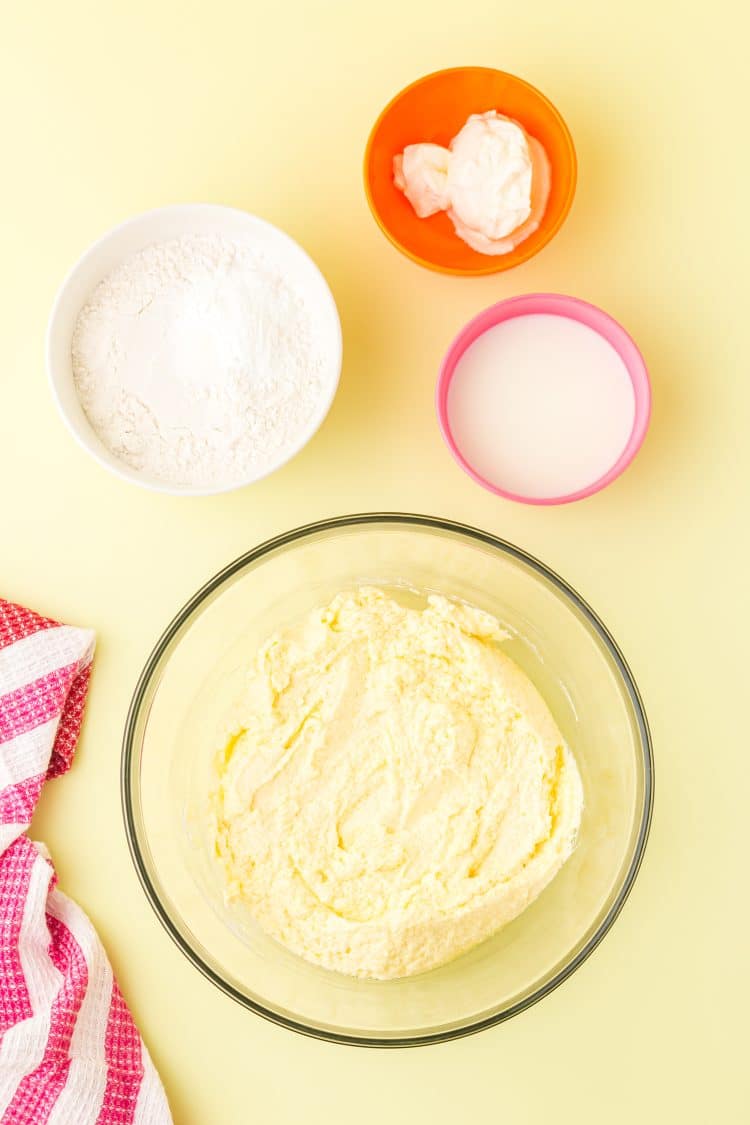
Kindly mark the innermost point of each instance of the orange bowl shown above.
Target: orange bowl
(433, 109)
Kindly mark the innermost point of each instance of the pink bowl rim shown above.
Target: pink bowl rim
(551, 304)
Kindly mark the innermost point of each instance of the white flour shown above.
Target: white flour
(197, 362)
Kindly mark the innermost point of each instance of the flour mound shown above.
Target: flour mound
(198, 363)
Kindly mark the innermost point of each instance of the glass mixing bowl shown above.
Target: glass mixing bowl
(191, 679)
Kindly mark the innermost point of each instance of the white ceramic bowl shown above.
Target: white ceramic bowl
(157, 226)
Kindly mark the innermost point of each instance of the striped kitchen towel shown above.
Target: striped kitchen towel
(70, 1053)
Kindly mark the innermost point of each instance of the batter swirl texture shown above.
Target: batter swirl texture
(394, 788)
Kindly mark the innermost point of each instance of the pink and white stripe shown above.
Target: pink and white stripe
(70, 1053)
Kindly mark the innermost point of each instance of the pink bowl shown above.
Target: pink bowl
(551, 304)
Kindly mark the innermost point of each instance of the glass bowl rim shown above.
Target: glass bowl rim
(418, 521)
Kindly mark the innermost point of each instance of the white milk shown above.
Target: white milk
(541, 405)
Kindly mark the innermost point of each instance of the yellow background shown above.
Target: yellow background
(112, 108)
